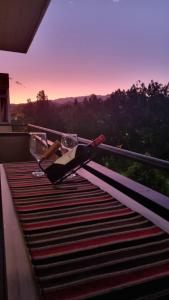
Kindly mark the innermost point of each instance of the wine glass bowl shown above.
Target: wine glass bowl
(68, 141)
(38, 146)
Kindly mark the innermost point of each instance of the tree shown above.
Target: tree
(41, 96)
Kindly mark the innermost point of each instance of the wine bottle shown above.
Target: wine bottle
(74, 158)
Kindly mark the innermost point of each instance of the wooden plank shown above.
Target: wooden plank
(20, 278)
(123, 198)
(139, 188)
(3, 294)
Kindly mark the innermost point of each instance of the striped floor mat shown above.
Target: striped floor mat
(84, 244)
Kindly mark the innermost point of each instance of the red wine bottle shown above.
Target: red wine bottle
(73, 159)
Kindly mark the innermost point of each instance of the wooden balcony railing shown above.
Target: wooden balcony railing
(153, 161)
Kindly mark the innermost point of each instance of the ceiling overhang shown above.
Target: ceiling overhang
(19, 21)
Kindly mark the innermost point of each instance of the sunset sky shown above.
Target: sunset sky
(92, 46)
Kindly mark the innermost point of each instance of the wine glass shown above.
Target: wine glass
(68, 142)
(38, 146)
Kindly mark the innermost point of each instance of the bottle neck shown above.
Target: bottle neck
(100, 139)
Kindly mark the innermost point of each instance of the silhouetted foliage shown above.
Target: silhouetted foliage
(136, 119)
(41, 96)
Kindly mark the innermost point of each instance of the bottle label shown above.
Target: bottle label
(67, 157)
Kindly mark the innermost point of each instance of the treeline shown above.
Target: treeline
(136, 119)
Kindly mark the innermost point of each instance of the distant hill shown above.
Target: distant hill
(79, 99)
(64, 100)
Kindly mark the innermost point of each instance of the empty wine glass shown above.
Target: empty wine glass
(38, 146)
(68, 141)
